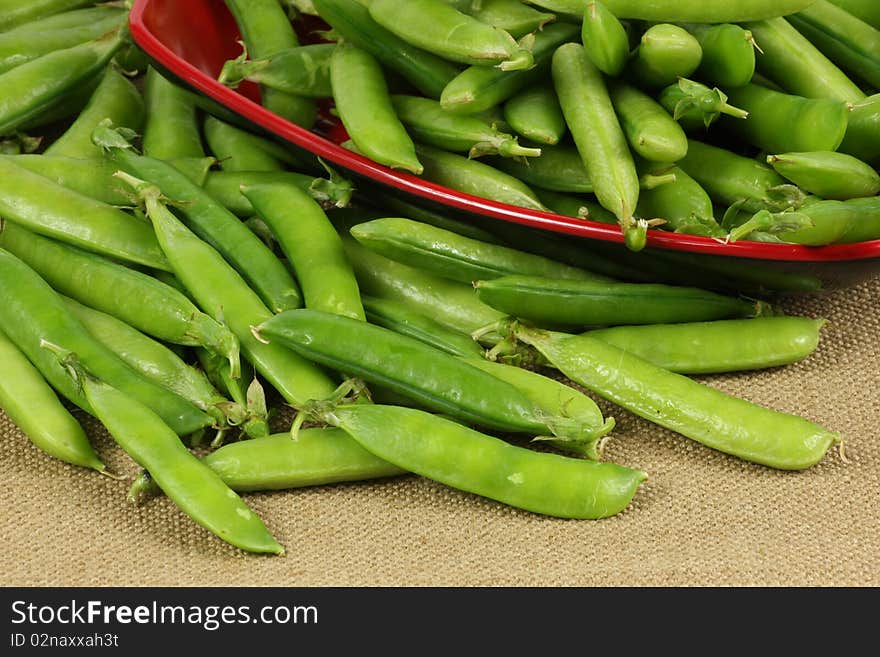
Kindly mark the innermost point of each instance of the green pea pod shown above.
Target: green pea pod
(867, 10)
(171, 128)
(716, 346)
(600, 141)
(730, 178)
(480, 88)
(683, 204)
(265, 31)
(590, 303)
(32, 312)
(311, 245)
(820, 222)
(453, 256)
(695, 106)
(33, 406)
(580, 207)
(781, 123)
(535, 114)
(649, 129)
(136, 298)
(303, 70)
(664, 54)
(700, 412)
(728, 54)
(59, 72)
(441, 29)
(20, 46)
(366, 111)
(115, 98)
(193, 487)
(65, 20)
(475, 178)
(238, 150)
(429, 123)
(225, 188)
(789, 59)
(845, 39)
(605, 39)
(512, 16)
(14, 13)
(544, 483)
(862, 138)
(828, 174)
(687, 11)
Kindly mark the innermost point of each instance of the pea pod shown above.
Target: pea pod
(791, 61)
(779, 123)
(592, 303)
(695, 106)
(687, 11)
(453, 256)
(194, 487)
(845, 39)
(716, 346)
(535, 114)
(225, 187)
(33, 406)
(827, 174)
(33, 312)
(683, 204)
(441, 29)
(664, 54)
(649, 129)
(867, 10)
(302, 70)
(600, 141)
(729, 424)
(127, 294)
(543, 483)
(365, 108)
(862, 138)
(866, 220)
(14, 13)
(171, 128)
(728, 54)
(265, 31)
(512, 16)
(578, 206)
(238, 150)
(480, 88)
(605, 39)
(65, 20)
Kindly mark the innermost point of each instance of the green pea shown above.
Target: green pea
(664, 54)
(828, 174)
(605, 39)
(650, 130)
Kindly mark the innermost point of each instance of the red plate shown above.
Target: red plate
(190, 40)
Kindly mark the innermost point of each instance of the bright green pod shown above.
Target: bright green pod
(14, 13)
(728, 54)
(365, 109)
(559, 168)
(664, 54)
(695, 106)
(225, 188)
(512, 16)
(577, 206)
(867, 10)
(650, 130)
(171, 128)
(302, 70)
(862, 138)
(828, 174)
(718, 11)
(238, 150)
(815, 224)
(605, 39)
(865, 225)
(683, 204)
(535, 114)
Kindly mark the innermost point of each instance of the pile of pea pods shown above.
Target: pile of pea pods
(182, 280)
(734, 120)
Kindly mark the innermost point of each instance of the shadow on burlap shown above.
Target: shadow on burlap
(703, 518)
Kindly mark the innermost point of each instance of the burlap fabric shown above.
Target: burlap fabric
(703, 518)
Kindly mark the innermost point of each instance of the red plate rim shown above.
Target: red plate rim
(410, 184)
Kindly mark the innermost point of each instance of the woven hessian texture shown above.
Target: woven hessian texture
(702, 519)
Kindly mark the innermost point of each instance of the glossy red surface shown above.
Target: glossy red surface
(192, 38)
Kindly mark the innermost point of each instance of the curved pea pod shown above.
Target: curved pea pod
(302, 70)
(687, 11)
(730, 178)
(47, 208)
(828, 174)
(717, 346)
(814, 224)
(600, 141)
(699, 412)
(845, 39)
(862, 138)
(424, 70)
(171, 128)
(578, 206)
(32, 312)
(225, 187)
(865, 225)
(115, 98)
(453, 256)
(441, 29)
(479, 88)
(192, 485)
(365, 108)
(664, 54)
(591, 303)
(728, 54)
(649, 129)
(683, 204)
(429, 123)
(867, 10)
(475, 178)
(535, 114)
(59, 72)
(605, 39)
(265, 29)
(789, 59)
(559, 168)
(14, 13)
(33, 407)
(429, 445)
(238, 150)
(66, 19)
(512, 16)
(780, 123)
(695, 106)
